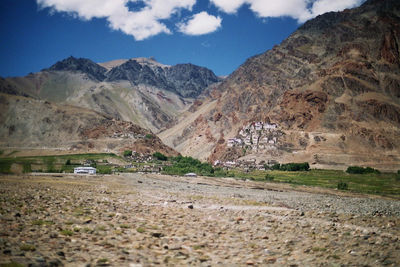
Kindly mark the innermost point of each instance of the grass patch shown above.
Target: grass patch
(140, 230)
(319, 249)
(66, 232)
(27, 247)
(385, 184)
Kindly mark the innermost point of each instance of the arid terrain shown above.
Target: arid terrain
(144, 220)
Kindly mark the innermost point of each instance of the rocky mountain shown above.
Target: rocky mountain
(141, 90)
(93, 70)
(186, 80)
(329, 95)
(29, 124)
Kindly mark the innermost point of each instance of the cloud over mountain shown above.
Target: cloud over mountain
(301, 10)
(148, 17)
(141, 24)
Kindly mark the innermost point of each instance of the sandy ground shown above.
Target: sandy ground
(146, 220)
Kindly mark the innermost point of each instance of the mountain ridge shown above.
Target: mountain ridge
(140, 90)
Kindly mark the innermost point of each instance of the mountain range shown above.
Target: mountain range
(140, 90)
(329, 95)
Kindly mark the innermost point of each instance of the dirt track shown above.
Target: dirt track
(142, 220)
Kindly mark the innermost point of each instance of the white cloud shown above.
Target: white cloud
(229, 6)
(301, 10)
(201, 23)
(323, 6)
(148, 21)
(141, 24)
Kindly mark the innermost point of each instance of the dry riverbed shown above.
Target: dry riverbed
(145, 220)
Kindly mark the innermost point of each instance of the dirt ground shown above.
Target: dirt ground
(145, 220)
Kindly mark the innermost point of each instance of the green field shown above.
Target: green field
(57, 163)
(385, 184)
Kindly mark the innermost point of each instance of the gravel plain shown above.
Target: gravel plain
(146, 220)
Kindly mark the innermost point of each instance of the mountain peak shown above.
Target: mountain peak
(87, 66)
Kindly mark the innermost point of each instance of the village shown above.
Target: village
(255, 137)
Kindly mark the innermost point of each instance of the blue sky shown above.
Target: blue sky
(217, 34)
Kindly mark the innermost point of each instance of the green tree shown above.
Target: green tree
(127, 153)
(160, 156)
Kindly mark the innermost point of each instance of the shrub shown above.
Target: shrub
(276, 166)
(49, 161)
(398, 176)
(104, 170)
(68, 162)
(269, 177)
(342, 186)
(127, 153)
(160, 156)
(361, 170)
(292, 167)
(149, 136)
(26, 167)
(5, 166)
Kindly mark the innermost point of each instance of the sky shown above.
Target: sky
(217, 34)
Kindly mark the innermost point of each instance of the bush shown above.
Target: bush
(104, 169)
(398, 176)
(292, 167)
(342, 186)
(269, 177)
(68, 162)
(27, 167)
(361, 170)
(160, 156)
(276, 167)
(127, 153)
(49, 161)
(149, 136)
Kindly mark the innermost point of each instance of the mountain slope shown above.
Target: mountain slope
(26, 123)
(332, 90)
(141, 90)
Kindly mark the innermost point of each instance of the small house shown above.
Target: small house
(85, 170)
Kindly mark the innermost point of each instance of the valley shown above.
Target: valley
(291, 160)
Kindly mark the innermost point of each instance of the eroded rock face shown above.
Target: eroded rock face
(337, 73)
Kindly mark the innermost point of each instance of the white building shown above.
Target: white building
(85, 170)
(270, 126)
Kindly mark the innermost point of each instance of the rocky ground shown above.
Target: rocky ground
(144, 220)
